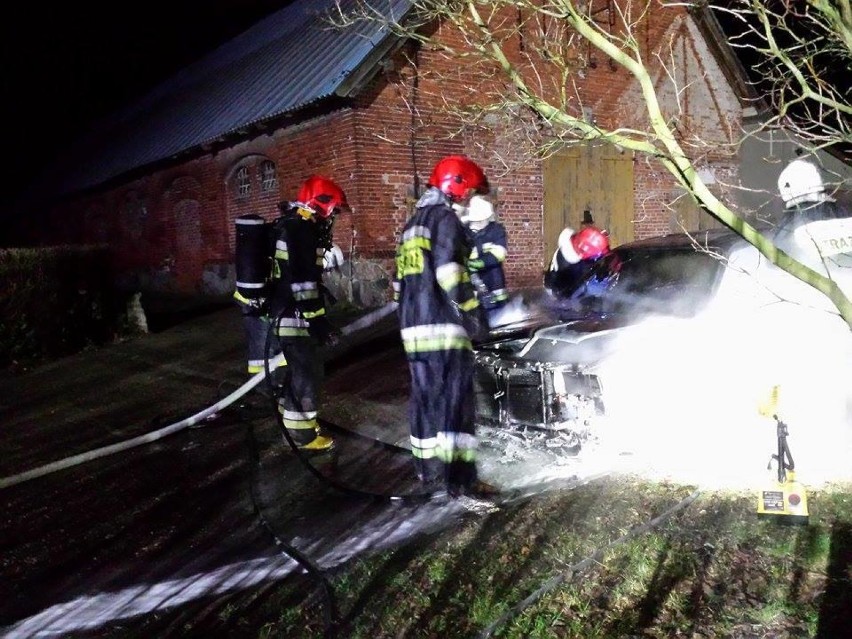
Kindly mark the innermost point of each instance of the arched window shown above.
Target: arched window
(268, 179)
(243, 182)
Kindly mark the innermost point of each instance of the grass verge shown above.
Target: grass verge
(712, 569)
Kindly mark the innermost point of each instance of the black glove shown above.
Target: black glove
(323, 331)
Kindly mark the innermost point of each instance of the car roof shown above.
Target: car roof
(719, 239)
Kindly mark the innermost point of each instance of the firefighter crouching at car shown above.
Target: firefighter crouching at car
(296, 303)
(575, 257)
(488, 239)
(439, 316)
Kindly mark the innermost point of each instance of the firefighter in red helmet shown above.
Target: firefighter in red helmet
(576, 255)
(440, 316)
(302, 234)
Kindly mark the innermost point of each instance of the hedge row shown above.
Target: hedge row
(56, 301)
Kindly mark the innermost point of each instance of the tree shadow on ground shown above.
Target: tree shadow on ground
(807, 543)
(670, 571)
(397, 563)
(499, 534)
(835, 614)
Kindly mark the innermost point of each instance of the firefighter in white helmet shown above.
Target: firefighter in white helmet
(800, 185)
(487, 237)
(815, 229)
(803, 191)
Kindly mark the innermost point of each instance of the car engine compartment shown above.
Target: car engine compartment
(515, 393)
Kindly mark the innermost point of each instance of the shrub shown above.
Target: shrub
(55, 301)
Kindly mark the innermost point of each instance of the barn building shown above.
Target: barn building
(163, 181)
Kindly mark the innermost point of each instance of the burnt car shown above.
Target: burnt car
(708, 295)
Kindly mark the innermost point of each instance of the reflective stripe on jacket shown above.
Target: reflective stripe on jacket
(486, 262)
(438, 309)
(297, 274)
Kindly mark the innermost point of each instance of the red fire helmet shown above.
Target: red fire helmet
(458, 176)
(590, 242)
(322, 195)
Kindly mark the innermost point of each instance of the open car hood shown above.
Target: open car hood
(581, 342)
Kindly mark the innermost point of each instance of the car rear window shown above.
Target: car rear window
(670, 281)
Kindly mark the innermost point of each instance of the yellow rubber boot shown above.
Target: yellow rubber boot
(318, 443)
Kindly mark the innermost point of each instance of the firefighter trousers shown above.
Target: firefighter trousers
(256, 327)
(441, 417)
(299, 397)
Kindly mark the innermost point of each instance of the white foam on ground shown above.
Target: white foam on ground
(93, 611)
(393, 526)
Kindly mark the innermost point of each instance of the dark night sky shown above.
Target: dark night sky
(65, 65)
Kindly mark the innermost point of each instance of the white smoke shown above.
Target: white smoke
(683, 396)
(515, 310)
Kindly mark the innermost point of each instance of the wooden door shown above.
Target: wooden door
(597, 178)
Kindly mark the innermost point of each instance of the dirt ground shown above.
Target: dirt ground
(194, 534)
(204, 510)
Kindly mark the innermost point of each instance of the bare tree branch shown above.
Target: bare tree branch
(794, 45)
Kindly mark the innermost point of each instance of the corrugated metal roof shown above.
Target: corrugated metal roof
(290, 59)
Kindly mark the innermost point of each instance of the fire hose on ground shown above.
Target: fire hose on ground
(330, 609)
(82, 458)
(331, 618)
(305, 458)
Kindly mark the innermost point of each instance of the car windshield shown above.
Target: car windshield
(669, 281)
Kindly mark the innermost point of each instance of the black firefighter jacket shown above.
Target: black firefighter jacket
(438, 310)
(486, 263)
(296, 292)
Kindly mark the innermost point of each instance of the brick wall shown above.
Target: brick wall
(173, 229)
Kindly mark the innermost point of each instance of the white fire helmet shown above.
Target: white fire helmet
(566, 247)
(800, 182)
(479, 213)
